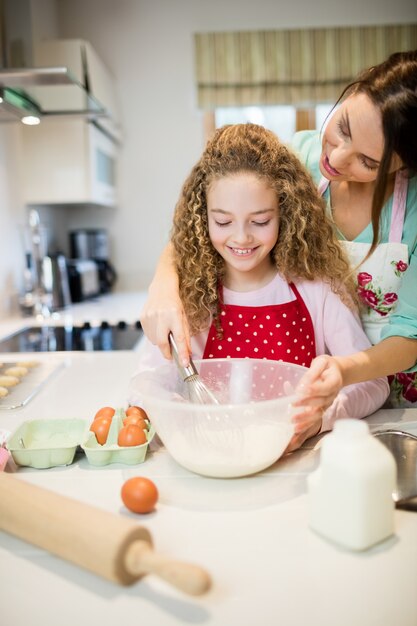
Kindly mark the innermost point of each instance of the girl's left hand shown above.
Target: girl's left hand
(306, 425)
(321, 383)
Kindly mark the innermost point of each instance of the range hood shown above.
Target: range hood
(45, 92)
(43, 76)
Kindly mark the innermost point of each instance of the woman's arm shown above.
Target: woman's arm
(330, 384)
(395, 352)
(337, 331)
(328, 374)
(389, 356)
(163, 311)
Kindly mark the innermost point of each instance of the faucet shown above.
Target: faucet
(41, 294)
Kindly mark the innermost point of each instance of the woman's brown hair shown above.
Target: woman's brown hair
(392, 87)
(306, 248)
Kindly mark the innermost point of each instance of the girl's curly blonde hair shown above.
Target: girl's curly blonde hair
(306, 248)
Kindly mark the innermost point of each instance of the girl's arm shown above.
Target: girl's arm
(328, 387)
(163, 311)
(328, 374)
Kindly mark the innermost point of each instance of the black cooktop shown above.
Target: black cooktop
(88, 337)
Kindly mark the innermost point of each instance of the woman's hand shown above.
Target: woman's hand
(321, 384)
(163, 311)
(161, 314)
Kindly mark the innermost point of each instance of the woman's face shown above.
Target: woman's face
(243, 224)
(353, 142)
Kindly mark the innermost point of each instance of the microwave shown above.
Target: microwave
(69, 161)
(103, 152)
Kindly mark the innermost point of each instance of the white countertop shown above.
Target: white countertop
(251, 534)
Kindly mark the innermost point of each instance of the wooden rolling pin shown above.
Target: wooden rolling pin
(108, 545)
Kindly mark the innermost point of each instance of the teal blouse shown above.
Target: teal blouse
(403, 320)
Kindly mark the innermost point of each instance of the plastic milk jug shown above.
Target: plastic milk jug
(350, 494)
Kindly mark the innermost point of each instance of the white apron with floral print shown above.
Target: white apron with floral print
(378, 281)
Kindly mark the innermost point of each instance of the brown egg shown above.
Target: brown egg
(139, 495)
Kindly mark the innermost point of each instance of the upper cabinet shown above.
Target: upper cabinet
(68, 161)
(72, 159)
(43, 76)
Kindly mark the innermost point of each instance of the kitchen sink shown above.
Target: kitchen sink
(86, 337)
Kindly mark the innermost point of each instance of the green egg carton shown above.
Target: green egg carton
(110, 452)
(45, 443)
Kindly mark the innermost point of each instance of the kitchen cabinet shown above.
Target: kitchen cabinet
(68, 161)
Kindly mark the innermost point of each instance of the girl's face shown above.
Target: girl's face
(243, 227)
(353, 142)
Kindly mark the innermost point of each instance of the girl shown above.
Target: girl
(262, 274)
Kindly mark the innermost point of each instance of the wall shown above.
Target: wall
(148, 46)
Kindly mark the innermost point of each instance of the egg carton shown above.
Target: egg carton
(111, 452)
(46, 443)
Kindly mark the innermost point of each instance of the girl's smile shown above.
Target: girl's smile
(243, 227)
(242, 251)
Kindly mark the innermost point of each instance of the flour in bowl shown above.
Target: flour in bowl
(230, 453)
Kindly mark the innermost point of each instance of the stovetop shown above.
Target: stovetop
(88, 337)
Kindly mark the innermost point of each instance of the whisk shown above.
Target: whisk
(198, 392)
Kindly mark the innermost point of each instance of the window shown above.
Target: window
(283, 120)
(280, 119)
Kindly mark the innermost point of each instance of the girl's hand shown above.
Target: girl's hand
(306, 425)
(321, 384)
(317, 389)
(161, 314)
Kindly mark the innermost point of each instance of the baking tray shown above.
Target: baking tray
(39, 373)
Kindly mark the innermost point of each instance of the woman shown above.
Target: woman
(365, 164)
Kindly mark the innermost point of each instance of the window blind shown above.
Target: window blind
(298, 67)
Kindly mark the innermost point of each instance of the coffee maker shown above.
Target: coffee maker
(93, 243)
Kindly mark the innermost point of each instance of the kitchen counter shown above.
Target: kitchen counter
(251, 534)
(112, 307)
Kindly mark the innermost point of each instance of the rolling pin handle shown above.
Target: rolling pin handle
(140, 559)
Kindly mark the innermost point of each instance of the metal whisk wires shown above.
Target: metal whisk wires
(198, 392)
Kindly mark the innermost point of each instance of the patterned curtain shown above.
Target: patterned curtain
(299, 67)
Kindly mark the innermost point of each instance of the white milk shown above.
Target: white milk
(350, 494)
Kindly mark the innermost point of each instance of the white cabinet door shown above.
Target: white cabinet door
(68, 161)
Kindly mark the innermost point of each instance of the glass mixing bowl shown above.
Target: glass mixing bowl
(245, 433)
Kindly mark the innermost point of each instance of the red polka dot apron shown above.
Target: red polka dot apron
(280, 332)
(378, 281)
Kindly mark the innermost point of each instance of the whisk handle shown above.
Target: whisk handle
(189, 370)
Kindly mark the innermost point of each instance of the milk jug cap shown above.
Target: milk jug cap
(350, 429)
